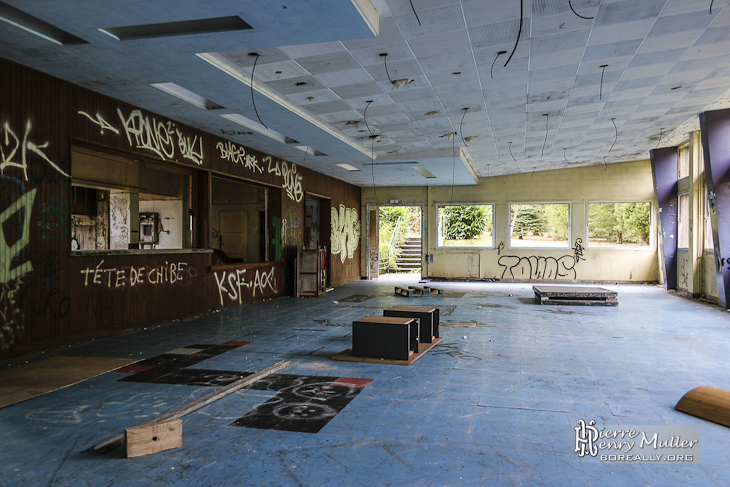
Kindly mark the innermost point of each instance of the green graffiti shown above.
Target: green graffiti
(277, 240)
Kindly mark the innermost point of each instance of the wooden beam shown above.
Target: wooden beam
(708, 403)
(118, 440)
(151, 438)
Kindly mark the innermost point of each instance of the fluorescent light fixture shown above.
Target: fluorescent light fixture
(179, 28)
(257, 127)
(424, 172)
(36, 26)
(187, 95)
(304, 148)
(391, 163)
(230, 68)
(348, 167)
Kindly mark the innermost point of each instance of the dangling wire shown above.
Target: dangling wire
(385, 58)
(564, 157)
(453, 167)
(415, 13)
(711, 2)
(605, 164)
(547, 128)
(661, 134)
(253, 101)
(613, 120)
(372, 164)
(510, 152)
(576, 13)
(491, 71)
(461, 133)
(364, 116)
(603, 70)
(519, 33)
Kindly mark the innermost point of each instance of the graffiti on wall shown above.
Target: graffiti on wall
(160, 137)
(232, 285)
(541, 267)
(237, 155)
(133, 276)
(14, 151)
(345, 234)
(292, 182)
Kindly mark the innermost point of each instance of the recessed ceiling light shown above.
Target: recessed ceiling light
(187, 95)
(36, 26)
(424, 172)
(184, 27)
(348, 167)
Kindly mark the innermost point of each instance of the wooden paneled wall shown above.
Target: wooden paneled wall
(50, 295)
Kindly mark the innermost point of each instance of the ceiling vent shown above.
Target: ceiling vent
(180, 28)
(36, 26)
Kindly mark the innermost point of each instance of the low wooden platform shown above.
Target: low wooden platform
(422, 349)
(418, 291)
(575, 295)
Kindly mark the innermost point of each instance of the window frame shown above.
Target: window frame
(437, 206)
(652, 231)
(570, 225)
(680, 221)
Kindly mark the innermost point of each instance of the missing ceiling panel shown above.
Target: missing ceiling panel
(183, 27)
(187, 95)
(36, 26)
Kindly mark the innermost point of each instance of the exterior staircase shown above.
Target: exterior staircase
(409, 257)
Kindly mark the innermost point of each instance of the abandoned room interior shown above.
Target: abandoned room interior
(365, 242)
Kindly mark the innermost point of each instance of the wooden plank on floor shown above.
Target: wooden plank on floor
(151, 438)
(347, 356)
(708, 403)
(37, 378)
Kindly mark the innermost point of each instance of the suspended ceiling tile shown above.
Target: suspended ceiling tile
(627, 11)
(306, 50)
(432, 22)
(328, 63)
(300, 84)
(344, 78)
(358, 90)
(634, 30)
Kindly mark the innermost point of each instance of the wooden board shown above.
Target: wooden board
(37, 378)
(151, 438)
(347, 356)
(418, 292)
(575, 295)
(708, 403)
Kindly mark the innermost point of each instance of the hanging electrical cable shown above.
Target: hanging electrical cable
(510, 152)
(576, 13)
(519, 34)
(461, 133)
(365, 118)
(384, 55)
(491, 71)
(415, 13)
(564, 157)
(253, 101)
(711, 2)
(547, 128)
(661, 134)
(603, 70)
(372, 164)
(613, 120)
(453, 167)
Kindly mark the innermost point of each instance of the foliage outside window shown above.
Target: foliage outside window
(619, 224)
(683, 222)
(397, 223)
(540, 225)
(465, 226)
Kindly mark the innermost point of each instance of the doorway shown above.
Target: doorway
(395, 240)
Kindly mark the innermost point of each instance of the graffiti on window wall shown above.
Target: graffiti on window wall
(345, 234)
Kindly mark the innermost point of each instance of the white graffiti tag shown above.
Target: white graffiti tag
(237, 154)
(99, 120)
(232, 284)
(292, 183)
(148, 133)
(188, 147)
(12, 145)
(345, 235)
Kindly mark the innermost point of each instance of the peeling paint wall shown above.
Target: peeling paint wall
(630, 181)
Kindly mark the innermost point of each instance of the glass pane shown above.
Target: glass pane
(619, 224)
(544, 225)
(683, 221)
(465, 226)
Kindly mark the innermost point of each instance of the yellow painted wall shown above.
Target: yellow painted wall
(630, 181)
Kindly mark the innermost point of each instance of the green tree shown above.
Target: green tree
(526, 220)
(558, 220)
(460, 222)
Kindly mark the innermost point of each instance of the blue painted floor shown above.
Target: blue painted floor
(496, 403)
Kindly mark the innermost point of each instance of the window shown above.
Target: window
(541, 225)
(107, 191)
(683, 162)
(465, 226)
(619, 224)
(683, 221)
